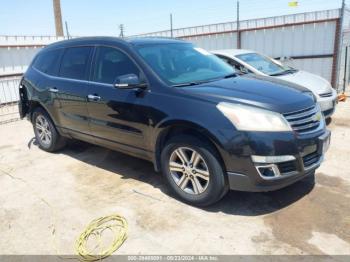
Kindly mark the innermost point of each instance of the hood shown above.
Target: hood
(314, 83)
(260, 91)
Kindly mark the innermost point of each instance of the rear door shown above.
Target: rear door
(118, 117)
(70, 89)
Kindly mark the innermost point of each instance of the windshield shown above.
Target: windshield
(181, 64)
(264, 64)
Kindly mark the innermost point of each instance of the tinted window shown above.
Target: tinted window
(240, 69)
(48, 62)
(75, 63)
(111, 63)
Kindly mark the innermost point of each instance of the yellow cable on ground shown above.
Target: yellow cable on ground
(115, 223)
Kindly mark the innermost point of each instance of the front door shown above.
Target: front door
(117, 116)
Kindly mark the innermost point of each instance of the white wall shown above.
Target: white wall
(303, 38)
(14, 60)
(9, 90)
(300, 40)
(318, 66)
(16, 52)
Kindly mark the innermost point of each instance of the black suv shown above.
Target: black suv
(167, 101)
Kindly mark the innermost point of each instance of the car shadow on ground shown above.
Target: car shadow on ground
(235, 202)
(254, 204)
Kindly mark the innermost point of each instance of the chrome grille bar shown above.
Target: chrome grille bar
(306, 126)
(303, 120)
(326, 95)
(311, 112)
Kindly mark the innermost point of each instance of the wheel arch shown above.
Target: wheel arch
(33, 105)
(174, 128)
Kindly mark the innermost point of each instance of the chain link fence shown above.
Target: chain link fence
(9, 97)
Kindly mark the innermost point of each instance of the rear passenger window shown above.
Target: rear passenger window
(111, 63)
(48, 62)
(75, 63)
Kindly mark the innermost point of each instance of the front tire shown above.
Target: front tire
(45, 132)
(193, 171)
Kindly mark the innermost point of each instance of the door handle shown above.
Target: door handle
(53, 90)
(94, 98)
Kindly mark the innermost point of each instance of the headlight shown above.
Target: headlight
(249, 118)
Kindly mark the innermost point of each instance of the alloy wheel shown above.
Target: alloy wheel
(189, 170)
(43, 129)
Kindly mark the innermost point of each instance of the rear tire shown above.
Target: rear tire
(193, 171)
(45, 132)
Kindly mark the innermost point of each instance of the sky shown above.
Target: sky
(103, 17)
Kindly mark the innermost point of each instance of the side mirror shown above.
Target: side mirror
(129, 81)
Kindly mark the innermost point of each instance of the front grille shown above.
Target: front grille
(326, 94)
(286, 167)
(305, 120)
(311, 159)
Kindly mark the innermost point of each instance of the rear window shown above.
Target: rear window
(48, 62)
(75, 63)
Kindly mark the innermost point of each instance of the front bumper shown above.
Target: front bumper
(305, 155)
(328, 104)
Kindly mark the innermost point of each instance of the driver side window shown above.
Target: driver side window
(111, 63)
(239, 68)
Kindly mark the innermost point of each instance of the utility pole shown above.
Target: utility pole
(171, 26)
(58, 17)
(67, 31)
(339, 44)
(121, 27)
(238, 28)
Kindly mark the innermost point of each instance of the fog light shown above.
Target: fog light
(268, 171)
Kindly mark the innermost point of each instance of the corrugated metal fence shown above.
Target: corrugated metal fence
(307, 41)
(9, 97)
(16, 52)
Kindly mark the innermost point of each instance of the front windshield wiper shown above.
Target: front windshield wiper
(285, 72)
(231, 75)
(194, 83)
(188, 84)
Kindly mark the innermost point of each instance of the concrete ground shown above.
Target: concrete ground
(8, 113)
(47, 199)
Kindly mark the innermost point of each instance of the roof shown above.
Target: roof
(113, 40)
(232, 52)
(153, 40)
